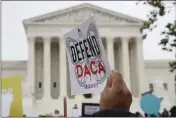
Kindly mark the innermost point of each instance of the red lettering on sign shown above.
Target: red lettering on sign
(79, 70)
(86, 71)
(91, 64)
(101, 68)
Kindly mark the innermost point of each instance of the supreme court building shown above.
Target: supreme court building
(46, 77)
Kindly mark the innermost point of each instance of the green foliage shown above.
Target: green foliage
(173, 66)
(160, 9)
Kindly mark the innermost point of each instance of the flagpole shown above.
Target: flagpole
(65, 107)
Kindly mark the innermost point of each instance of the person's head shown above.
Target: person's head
(40, 115)
(173, 111)
(56, 111)
(75, 106)
(137, 114)
(145, 114)
(152, 115)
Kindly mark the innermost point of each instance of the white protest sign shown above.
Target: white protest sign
(7, 99)
(89, 110)
(88, 64)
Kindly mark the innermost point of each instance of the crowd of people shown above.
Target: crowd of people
(165, 113)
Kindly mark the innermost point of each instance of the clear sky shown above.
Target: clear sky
(14, 41)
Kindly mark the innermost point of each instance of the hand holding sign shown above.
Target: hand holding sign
(88, 64)
(116, 95)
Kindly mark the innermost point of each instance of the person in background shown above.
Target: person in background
(40, 115)
(116, 98)
(145, 114)
(165, 113)
(173, 111)
(153, 115)
(75, 111)
(56, 112)
(75, 106)
(138, 114)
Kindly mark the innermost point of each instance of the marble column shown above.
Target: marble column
(110, 51)
(63, 68)
(31, 65)
(143, 83)
(126, 61)
(47, 66)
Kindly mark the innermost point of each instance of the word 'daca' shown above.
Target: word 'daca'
(87, 69)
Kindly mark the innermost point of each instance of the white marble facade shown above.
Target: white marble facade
(47, 74)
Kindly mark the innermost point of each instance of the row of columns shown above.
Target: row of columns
(47, 65)
(125, 57)
(63, 74)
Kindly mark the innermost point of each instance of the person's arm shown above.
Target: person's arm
(115, 99)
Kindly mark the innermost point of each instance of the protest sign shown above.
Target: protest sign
(88, 64)
(150, 104)
(89, 108)
(11, 97)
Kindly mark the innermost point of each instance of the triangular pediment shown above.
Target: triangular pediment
(80, 13)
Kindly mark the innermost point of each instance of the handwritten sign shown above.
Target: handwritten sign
(11, 97)
(7, 99)
(89, 108)
(88, 64)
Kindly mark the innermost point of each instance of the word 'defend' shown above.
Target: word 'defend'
(86, 48)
